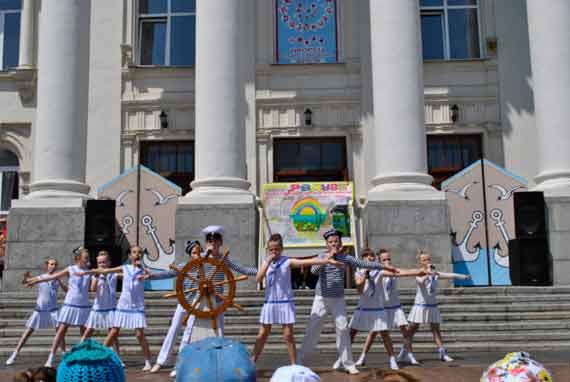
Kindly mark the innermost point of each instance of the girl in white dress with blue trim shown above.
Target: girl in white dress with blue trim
(130, 313)
(46, 309)
(425, 309)
(395, 316)
(103, 311)
(279, 306)
(76, 307)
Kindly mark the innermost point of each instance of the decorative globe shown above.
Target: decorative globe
(215, 359)
(516, 367)
(90, 361)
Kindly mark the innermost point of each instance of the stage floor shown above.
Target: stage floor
(466, 368)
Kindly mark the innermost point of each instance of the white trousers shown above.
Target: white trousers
(170, 338)
(336, 307)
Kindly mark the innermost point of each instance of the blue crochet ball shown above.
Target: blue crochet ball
(215, 359)
(90, 361)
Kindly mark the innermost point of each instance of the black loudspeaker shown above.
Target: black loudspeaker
(530, 215)
(100, 223)
(529, 261)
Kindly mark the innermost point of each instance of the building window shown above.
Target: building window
(167, 32)
(9, 33)
(173, 160)
(449, 154)
(450, 29)
(306, 31)
(310, 160)
(9, 179)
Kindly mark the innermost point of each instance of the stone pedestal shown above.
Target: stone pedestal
(406, 226)
(558, 218)
(237, 214)
(37, 230)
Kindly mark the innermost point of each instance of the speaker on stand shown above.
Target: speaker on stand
(529, 255)
(100, 230)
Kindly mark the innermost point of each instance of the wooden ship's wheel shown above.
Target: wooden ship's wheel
(202, 273)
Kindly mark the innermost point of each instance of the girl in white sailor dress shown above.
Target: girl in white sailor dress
(395, 316)
(279, 306)
(103, 311)
(76, 308)
(425, 309)
(369, 316)
(129, 313)
(46, 310)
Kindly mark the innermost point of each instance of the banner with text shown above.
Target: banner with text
(306, 31)
(302, 212)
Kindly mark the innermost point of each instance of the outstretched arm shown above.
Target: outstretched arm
(460, 276)
(405, 273)
(35, 280)
(159, 275)
(237, 267)
(314, 261)
(101, 271)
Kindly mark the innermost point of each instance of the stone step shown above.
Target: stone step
(330, 348)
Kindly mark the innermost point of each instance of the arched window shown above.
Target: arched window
(9, 166)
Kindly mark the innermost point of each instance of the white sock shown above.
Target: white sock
(49, 362)
(393, 363)
(361, 359)
(147, 363)
(412, 359)
(441, 351)
(12, 358)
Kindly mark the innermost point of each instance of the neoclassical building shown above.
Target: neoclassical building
(223, 96)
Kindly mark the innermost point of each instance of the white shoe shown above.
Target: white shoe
(173, 373)
(402, 354)
(336, 365)
(155, 368)
(49, 362)
(394, 364)
(12, 358)
(147, 366)
(352, 370)
(412, 359)
(444, 357)
(362, 360)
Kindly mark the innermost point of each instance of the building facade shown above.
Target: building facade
(381, 93)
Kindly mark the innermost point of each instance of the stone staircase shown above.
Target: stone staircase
(475, 320)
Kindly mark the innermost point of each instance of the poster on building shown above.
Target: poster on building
(306, 31)
(302, 212)
(145, 213)
(480, 201)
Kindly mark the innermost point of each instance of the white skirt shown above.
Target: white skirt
(277, 313)
(101, 319)
(368, 320)
(43, 320)
(73, 315)
(421, 314)
(129, 319)
(395, 317)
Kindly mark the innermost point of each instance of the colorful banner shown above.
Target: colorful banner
(480, 200)
(306, 31)
(302, 212)
(146, 209)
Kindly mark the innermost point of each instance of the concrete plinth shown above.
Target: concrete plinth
(235, 212)
(559, 236)
(404, 226)
(38, 229)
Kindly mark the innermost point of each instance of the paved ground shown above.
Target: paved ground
(467, 368)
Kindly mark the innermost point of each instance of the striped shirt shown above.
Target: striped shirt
(331, 278)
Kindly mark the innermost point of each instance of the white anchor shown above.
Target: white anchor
(127, 222)
(497, 215)
(463, 253)
(165, 258)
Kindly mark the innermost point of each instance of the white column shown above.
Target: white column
(224, 65)
(397, 80)
(28, 27)
(63, 88)
(549, 30)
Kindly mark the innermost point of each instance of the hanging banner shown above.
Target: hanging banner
(306, 31)
(480, 201)
(145, 212)
(302, 212)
